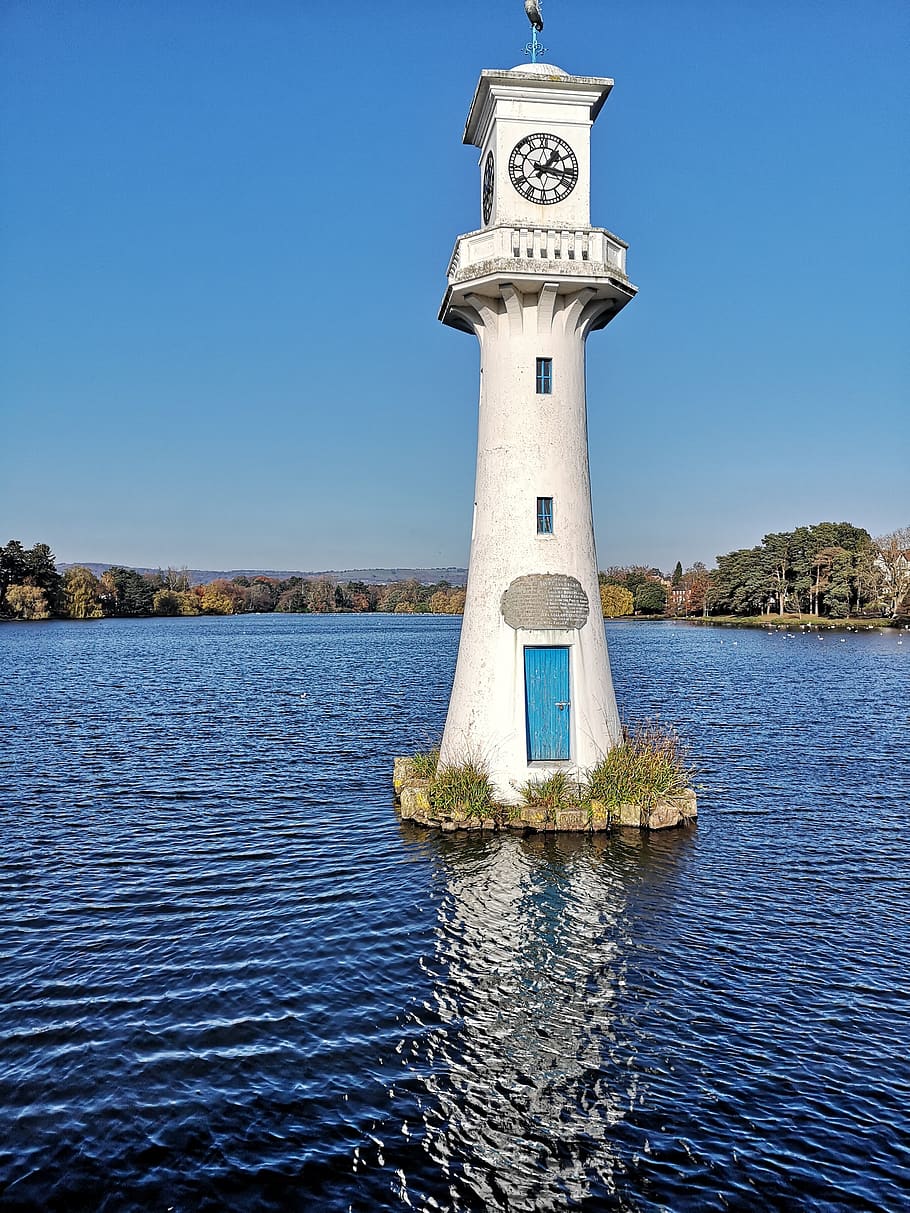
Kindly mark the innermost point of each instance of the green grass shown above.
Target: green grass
(557, 791)
(463, 787)
(647, 766)
(820, 622)
(423, 766)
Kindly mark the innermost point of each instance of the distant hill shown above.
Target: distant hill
(370, 576)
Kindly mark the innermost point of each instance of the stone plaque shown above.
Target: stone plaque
(545, 600)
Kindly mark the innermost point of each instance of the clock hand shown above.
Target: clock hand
(540, 169)
(553, 172)
(540, 166)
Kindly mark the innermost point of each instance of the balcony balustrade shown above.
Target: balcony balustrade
(592, 247)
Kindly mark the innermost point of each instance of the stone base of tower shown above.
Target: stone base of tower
(415, 802)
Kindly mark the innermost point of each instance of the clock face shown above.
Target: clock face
(543, 168)
(488, 188)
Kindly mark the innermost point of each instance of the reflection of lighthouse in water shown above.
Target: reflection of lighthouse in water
(526, 972)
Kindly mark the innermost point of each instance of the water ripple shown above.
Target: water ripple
(229, 978)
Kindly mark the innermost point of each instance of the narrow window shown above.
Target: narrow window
(544, 376)
(544, 515)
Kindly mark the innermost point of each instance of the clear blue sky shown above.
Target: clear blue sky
(225, 227)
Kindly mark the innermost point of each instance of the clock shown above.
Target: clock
(488, 188)
(543, 168)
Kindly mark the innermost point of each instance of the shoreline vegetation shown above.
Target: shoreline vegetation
(644, 782)
(829, 575)
(800, 623)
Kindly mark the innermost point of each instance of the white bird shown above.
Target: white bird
(532, 8)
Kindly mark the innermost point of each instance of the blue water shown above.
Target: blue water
(231, 979)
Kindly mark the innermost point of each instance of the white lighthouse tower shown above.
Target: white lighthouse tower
(532, 691)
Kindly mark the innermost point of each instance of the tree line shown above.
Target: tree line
(830, 570)
(32, 588)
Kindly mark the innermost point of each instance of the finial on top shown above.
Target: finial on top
(532, 8)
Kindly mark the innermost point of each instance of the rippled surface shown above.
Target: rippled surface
(229, 978)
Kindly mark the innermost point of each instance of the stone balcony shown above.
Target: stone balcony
(586, 252)
(589, 259)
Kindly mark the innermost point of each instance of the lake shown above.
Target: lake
(231, 978)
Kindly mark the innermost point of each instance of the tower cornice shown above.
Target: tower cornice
(517, 86)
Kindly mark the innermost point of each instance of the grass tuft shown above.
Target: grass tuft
(647, 766)
(463, 787)
(557, 791)
(423, 766)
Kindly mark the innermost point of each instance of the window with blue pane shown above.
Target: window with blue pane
(544, 515)
(544, 376)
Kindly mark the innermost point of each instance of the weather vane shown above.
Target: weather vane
(534, 48)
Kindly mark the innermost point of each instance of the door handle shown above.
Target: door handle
(564, 704)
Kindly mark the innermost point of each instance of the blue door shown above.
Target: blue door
(547, 703)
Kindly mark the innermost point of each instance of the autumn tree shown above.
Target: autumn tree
(33, 567)
(400, 597)
(166, 602)
(188, 603)
(697, 583)
(447, 601)
(358, 596)
(27, 602)
(293, 600)
(82, 593)
(321, 596)
(615, 601)
(219, 597)
(262, 594)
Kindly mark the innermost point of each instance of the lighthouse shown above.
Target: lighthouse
(532, 692)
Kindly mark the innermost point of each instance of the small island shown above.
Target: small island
(643, 783)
